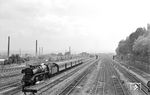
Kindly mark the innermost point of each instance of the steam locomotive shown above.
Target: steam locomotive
(32, 74)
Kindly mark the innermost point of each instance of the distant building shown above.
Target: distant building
(60, 54)
(67, 53)
(3, 56)
(84, 54)
(148, 27)
(2, 61)
(53, 54)
(27, 55)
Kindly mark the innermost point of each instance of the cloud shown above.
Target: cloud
(84, 23)
(31, 15)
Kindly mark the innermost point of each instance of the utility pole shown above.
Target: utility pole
(42, 51)
(69, 49)
(39, 51)
(8, 46)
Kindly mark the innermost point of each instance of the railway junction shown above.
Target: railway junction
(95, 76)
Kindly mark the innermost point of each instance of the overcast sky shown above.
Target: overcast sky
(85, 25)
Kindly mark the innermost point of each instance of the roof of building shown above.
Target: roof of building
(2, 59)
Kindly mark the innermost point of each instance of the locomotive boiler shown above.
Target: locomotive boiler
(32, 74)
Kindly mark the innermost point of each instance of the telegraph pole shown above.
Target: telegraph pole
(39, 51)
(42, 51)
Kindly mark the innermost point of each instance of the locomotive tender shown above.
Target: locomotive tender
(36, 73)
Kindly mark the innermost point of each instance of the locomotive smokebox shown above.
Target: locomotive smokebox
(148, 83)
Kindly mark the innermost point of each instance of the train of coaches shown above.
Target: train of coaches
(32, 74)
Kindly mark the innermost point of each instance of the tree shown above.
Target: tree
(14, 58)
(141, 47)
(126, 46)
(123, 47)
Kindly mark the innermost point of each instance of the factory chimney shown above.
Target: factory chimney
(36, 48)
(70, 50)
(148, 27)
(8, 46)
(42, 51)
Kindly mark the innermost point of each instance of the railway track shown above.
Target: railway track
(99, 84)
(18, 88)
(137, 70)
(133, 78)
(8, 76)
(10, 84)
(11, 69)
(72, 85)
(10, 73)
(57, 81)
(118, 87)
(12, 81)
(11, 89)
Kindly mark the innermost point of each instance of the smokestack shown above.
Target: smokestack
(148, 27)
(39, 51)
(36, 48)
(42, 51)
(8, 46)
(70, 49)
